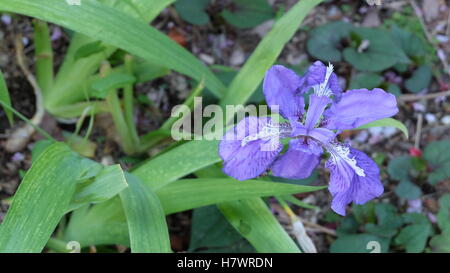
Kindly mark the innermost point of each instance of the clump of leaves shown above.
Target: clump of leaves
(239, 13)
(433, 167)
(372, 50)
(380, 225)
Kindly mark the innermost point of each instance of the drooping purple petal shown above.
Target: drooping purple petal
(316, 75)
(360, 106)
(354, 177)
(248, 159)
(295, 164)
(282, 88)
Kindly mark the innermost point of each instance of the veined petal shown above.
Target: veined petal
(354, 177)
(317, 75)
(249, 148)
(317, 105)
(295, 164)
(360, 106)
(282, 88)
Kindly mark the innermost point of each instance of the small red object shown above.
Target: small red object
(415, 152)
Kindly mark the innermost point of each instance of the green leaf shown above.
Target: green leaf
(145, 217)
(89, 49)
(382, 52)
(411, 44)
(366, 80)
(120, 30)
(358, 243)
(394, 89)
(324, 42)
(193, 193)
(101, 224)
(386, 122)
(146, 71)
(414, 237)
(441, 243)
(256, 223)
(210, 232)
(438, 161)
(40, 201)
(408, 190)
(193, 11)
(443, 216)
(388, 221)
(178, 162)
(248, 13)
(100, 186)
(400, 167)
(420, 79)
(113, 81)
(268, 50)
(74, 76)
(4, 97)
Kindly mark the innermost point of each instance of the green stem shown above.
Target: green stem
(44, 56)
(57, 245)
(128, 102)
(115, 109)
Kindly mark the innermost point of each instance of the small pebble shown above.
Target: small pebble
(6, 19)
(430, 118)
(446, 120)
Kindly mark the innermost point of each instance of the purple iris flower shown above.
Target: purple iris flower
(254, 145)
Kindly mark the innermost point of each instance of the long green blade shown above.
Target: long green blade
(115, 28)
(178, 162)
(5, 98)
(41, 200)
(193, 193)
(253, 219)
(268, 50)
(146, 220)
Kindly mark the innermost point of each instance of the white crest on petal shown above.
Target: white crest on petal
(271, 132)
(340, 152)
(322, 89)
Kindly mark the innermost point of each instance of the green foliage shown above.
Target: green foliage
(210, 232)
(193, 11)
(145, 217)
(102, 86)
(441, 242)
(415, 235)
(5, 98)
(386, 122)
(420, 79)
(89, 49)
(248, 13)
(358, 243)
(408, 231)
(324, 42)
(41, 200)
(257, 224)
(187, 194)
(438, 161)
(402, 169)
(264, 56)
(380, 53)
(365, 80)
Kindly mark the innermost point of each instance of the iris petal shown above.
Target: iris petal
(347, 182)
(360, 106)
(282, 88)
(316, 75)
(295, 164)
(248, 159)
